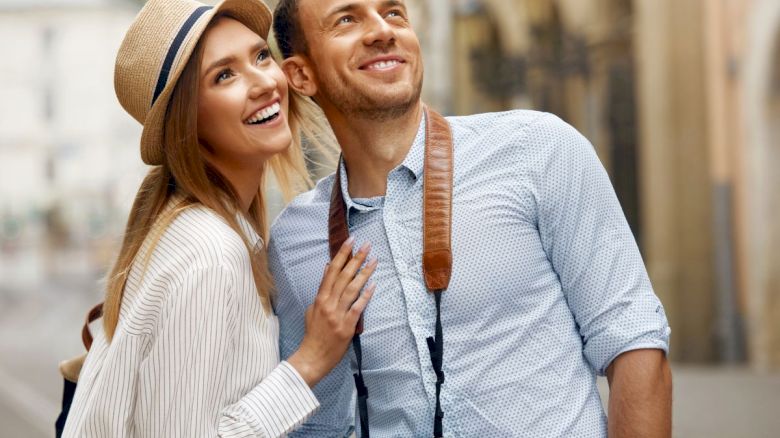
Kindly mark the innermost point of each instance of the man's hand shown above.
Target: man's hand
(640, 395)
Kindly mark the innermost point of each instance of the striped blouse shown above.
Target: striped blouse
(194, 354)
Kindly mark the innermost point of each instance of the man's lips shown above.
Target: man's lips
(382, 63)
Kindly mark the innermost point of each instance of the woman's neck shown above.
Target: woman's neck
(246, 181)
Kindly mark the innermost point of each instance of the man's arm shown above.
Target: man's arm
(622, 323)
(640, 395)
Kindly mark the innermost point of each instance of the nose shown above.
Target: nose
(379, 32)
(261, 82)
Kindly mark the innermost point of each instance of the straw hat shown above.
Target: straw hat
(155, 50)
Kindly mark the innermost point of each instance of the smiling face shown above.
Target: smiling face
(364, 55)
(242, 98)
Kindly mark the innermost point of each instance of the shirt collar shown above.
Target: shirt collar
(414, 161)
(350, 203)
(249, 232)
(415, 158)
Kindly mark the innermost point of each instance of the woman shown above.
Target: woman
(189, 341)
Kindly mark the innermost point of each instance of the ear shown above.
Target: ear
(300, 76)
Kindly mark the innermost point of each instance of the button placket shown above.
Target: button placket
(420, 309)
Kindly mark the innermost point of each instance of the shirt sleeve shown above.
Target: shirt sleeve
(588, 241)
(335, 391)
(196, 337)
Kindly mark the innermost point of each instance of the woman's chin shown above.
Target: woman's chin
(277, 144)
(267, 143)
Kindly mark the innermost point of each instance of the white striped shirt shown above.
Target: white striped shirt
(194, 353)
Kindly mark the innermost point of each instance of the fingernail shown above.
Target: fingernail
(373, 261)
(365, 247)
(349, 241)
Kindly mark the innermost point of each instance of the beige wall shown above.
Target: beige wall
(760, 184)
(675, 170)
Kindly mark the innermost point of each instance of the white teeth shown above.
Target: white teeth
(381, 65)
(265, 113)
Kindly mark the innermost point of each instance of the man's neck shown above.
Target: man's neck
(374, 148)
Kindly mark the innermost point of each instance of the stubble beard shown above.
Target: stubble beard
(359, 105)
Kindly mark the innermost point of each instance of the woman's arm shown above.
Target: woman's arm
(332, 318)
(187, 374)
(284, 400)
(190, 364)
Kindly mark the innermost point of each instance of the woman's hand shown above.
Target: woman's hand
(332, 318)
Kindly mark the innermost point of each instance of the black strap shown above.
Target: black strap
(69, 390)
(436, 348)
(360, 386)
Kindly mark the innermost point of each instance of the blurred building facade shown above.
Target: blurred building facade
(69, 164)
(681, 100)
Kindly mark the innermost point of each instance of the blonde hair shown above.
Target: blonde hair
(186, 173)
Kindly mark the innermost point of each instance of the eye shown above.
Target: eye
(395, 13)
(346, 19)
(262, 55)
(223, 75)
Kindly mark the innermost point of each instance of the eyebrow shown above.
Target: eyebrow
(230, 59)
(392, 3)
(339, 9)
(352, 6)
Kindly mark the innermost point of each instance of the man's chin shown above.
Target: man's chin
(376, 102)
(391, 101)
(391, 97)
(385, 109)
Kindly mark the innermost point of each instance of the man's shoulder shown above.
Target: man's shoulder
(519, 121)
(515, 118)
(522, 130)
(506, 127)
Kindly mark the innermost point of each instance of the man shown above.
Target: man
(548, 287)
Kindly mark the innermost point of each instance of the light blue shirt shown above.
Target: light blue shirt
(548, 287)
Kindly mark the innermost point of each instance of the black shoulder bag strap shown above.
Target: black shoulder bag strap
(437, 253)
(71, 368)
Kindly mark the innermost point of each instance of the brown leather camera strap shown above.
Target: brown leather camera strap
(437, 205)
(86, 336)
(437, 253)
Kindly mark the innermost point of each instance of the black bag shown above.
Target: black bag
(70, 369)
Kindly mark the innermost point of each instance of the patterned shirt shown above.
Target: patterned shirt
(194, 353)
(548, 287)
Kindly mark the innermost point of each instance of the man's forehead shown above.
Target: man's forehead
(320, 9)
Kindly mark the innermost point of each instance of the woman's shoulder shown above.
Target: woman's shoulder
(193, 254)
(198, 238)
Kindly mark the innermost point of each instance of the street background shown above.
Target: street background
(680, 98)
